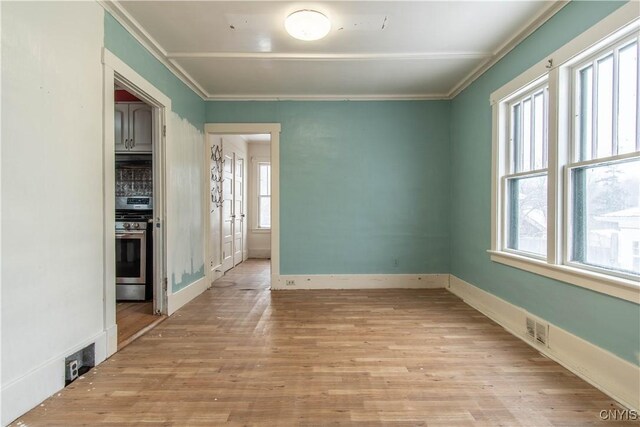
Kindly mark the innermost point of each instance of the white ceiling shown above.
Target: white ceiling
(386, 50)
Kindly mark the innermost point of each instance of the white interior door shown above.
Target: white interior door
(238, 209)
(245, 207)
(227, 207)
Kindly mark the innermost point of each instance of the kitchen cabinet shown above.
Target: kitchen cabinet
(133, 127)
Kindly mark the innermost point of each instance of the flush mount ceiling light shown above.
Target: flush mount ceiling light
(307, 25)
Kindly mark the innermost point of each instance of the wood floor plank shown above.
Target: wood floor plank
(242, 355)
(132, 317)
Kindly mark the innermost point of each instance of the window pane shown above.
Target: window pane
(606, 215)
(539, 137)
(605, 107)
(265, 179)
(585, 111)
(526, 135)
(516, 140)
(527, 217)
(627, 98)
(264, 214)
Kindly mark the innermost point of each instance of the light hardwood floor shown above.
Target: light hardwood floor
(242, 355)
(133, 319)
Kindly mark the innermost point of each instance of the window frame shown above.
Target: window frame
(616, 29)
(574, 158)
(510, 167)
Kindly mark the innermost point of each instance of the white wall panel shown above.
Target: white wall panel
(185, 254)
(52, 239)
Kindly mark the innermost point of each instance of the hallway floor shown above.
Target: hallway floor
(243, 355)
(132, 318)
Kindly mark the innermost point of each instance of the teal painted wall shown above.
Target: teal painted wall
(608, 322)
(362, 183)
(366, 183)
(184, 102)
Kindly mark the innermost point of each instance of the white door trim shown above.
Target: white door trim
(260, 128)
(115, 70)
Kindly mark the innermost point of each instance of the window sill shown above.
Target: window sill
(628, 290)
(261, 230)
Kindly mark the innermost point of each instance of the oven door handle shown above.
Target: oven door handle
(130, 234)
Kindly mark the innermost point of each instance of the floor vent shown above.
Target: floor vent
(541, 333)
(531, 328)
(538, 331)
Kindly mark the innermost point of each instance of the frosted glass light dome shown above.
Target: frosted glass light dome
(307, 25)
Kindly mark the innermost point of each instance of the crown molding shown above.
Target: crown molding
(331, 56)
(536, 22)
(341, 97)
(169, 59)
(148, 42)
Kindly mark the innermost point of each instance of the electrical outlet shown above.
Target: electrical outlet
(71, 371)
(290, 283)
(396, 262)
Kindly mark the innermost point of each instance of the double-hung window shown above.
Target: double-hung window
(566, 164)
(526, 181)
(264, 195)
(604, 169)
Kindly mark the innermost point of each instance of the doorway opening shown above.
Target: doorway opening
(136, 310)
(134, 171)
(242, 226)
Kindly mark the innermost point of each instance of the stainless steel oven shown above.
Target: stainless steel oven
(134, 230)
(131, 260)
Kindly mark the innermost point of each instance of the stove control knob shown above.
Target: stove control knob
(127, 225)
(136, 225)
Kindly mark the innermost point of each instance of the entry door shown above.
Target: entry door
(227, 208)
(238, 210)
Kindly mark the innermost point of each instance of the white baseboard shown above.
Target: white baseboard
(216, 273)
(607, 372)
(260, 253)
(361, 281)
(29, 390)
(184, 295)
(112, 339)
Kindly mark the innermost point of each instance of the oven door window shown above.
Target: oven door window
(130, 257)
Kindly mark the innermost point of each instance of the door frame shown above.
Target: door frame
(116, 71)
(273, 129)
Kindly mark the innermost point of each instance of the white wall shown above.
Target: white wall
(52, 274)
(52, 197)
(258, 241)
(185, 239)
